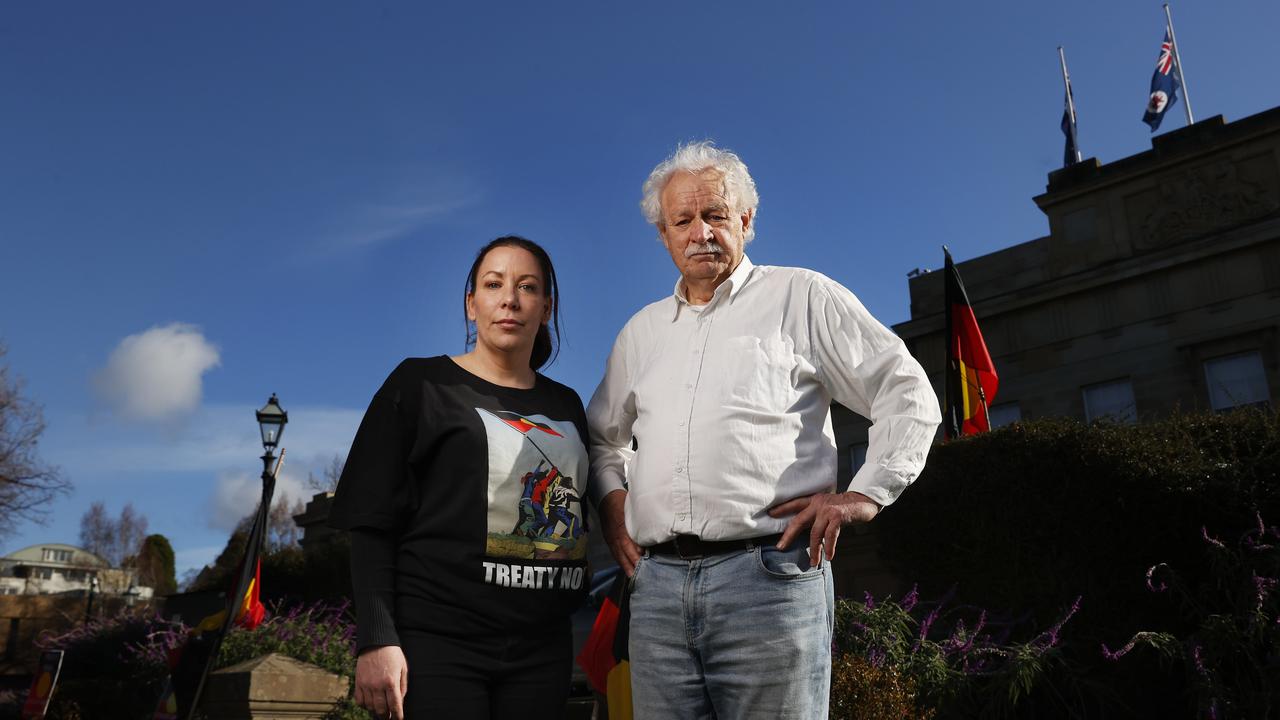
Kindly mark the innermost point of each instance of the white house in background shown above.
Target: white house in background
(51, 568)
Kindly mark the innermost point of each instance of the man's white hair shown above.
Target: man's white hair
(693, 158)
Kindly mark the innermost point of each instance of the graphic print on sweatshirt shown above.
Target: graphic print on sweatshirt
(537, 474)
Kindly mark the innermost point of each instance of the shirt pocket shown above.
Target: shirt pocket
(759, 372)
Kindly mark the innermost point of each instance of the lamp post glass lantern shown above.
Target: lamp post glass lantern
(271, 421)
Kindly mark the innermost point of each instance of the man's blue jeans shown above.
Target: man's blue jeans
(740, 635)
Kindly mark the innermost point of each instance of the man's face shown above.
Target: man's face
(700, 228)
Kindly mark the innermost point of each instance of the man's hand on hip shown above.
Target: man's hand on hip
(613, 518)
(823, 514)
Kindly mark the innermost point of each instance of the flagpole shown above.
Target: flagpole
(525, 436)
(1071, 101)
(257, 533)
(1177, 60)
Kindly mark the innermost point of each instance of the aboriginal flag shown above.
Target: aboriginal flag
(190, 664)
(522, 423)
(604, 655)
(971, 380)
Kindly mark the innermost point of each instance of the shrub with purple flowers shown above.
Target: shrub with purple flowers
(1030, 515)
(1231, 656)
(114, 666)
(320, 634)
(961, 661)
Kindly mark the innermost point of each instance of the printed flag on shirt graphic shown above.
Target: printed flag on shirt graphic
(1164, 85)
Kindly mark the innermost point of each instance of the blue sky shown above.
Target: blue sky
(284, 197)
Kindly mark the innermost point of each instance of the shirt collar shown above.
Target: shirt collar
(735, 282)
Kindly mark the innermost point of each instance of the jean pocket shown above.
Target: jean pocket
(790, 564)
(635, 573)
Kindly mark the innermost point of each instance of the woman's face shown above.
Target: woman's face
(509, 303)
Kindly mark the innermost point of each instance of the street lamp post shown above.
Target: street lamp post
(271, 421)
(93, 590)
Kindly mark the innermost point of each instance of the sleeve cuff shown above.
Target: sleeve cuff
(376, 626)
(882, 486)
(603, 484)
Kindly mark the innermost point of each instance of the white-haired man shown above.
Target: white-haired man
(725, 388)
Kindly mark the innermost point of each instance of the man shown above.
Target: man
(726, 389)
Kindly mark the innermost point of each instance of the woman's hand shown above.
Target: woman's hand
(382, 679)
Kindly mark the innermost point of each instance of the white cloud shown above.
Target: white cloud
(157, 374)
(212, 458)
(398, 214)
(236, 495)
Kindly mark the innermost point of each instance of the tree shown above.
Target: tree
(155, 565)
(131, 529)
(282, 531)
(96, 529)
(27, 485)
(116, 541)
(328, 480)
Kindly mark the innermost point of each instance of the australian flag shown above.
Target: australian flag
(1164, 85)
(1071, 153)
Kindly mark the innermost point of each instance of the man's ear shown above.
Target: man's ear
(662, 234)
(747, 217)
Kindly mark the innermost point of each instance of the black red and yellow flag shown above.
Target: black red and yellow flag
(971, 379)
(604, 656)
(191, 662)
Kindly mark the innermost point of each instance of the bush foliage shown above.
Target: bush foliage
(114, 668)
(1027, 517)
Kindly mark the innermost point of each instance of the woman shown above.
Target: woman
(463, 494)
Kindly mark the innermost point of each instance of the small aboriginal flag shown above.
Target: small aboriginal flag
(523, 424)
(42, 686)
(971, 379)
(604, 655)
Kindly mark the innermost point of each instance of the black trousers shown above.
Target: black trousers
(523, 676)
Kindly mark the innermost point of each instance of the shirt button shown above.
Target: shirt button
(681, 423)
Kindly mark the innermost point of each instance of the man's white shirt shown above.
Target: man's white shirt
(729, 405)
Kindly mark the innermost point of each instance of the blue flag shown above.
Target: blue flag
(1164, 85)
(1070, 153)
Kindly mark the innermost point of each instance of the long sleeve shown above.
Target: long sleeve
(610, 416)
(867, 368)
(374, 491)
(373, 579)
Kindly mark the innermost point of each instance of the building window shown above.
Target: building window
(42, 573)
(1112, 401)
(1236, 381)
(55, 555)
(1004, 414)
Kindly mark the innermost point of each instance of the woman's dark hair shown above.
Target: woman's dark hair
(544, 350)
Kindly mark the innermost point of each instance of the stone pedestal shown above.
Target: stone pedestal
(271, 687)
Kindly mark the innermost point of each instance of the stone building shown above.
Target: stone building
(1157, 288)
